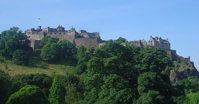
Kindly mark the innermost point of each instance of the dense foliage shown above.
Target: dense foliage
(192, 98)
(54, 50)
(41, 80)
(13, 43)
(5, 85)
(57, 91)
(28, 95)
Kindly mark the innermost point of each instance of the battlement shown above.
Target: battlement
(61, 33)
(139, 43)
(88, 39)
(153, 42)
(159, 42)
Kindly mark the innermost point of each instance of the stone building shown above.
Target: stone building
(139, 43)
(153, 42)
(82, 37)
(159, 43)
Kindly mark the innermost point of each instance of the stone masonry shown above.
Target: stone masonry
(82, 37)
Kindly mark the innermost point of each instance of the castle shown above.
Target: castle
(163, 44)
(153, 42)
(82, 37)
(85, 38)
(185, 66)
(88, 40)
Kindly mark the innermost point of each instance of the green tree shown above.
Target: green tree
(57, 92)
(110, 75)
(121, 40)
(28, 95)
(50, 52)
(95, 65)
(151, 81)
(151, 97)
(41, 80)
(12, 40)
(92, 83)
(192, 98)
(81, 54)
(189, 84)
(20, 57)
(74, 89)
(67, 51)
(82, 59)
(47, 40)
(115, 90)
(153, 59)
(5, 85)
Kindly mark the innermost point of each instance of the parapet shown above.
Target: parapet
(83, 37)
(159, 42)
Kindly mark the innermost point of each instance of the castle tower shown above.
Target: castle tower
(159, 43)
(60, 28)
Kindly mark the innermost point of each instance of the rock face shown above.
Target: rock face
(182, 67)
(83, 37)
(176, 75)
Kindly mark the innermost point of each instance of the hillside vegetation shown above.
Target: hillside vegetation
(60, 73)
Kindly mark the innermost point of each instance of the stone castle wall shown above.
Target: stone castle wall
(82, 38)
(34, 43)
(153, 42)
(139, 43)
(87, 42)
(159, 43)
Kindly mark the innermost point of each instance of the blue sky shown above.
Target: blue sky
(177, 20)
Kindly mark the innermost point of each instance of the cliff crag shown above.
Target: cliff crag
(182, 67)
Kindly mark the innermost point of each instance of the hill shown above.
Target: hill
(117, 72)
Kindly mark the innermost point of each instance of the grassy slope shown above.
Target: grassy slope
(13, 69)
(36, 66)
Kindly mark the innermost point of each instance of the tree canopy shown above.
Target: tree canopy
(28, 95)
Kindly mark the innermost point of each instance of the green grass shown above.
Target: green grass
(36, 65)
(48, 69)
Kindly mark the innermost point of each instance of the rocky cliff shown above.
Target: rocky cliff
(182, 67)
